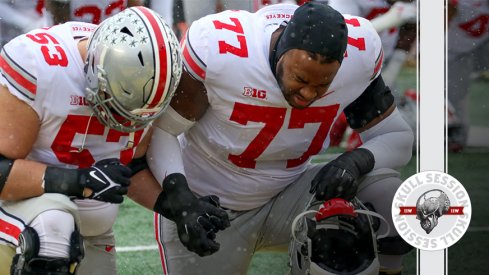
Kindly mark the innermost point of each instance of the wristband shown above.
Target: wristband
(63, 181)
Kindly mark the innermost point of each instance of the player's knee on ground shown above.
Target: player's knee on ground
(378, 195)
(50, 244)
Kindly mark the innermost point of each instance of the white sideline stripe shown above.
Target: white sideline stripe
(136, 248)
(155, 247)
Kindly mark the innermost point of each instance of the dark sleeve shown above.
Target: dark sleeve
(373, 102)
(178, 12)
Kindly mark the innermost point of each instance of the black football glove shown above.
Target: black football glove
(108, 179)
(197, 220)
(339, 177)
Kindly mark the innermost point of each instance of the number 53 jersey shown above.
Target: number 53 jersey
(251, 143)
(44, 69)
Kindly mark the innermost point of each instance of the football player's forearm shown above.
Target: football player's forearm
(391, 141)
(144, 189)
(28, 179)
(24, 180)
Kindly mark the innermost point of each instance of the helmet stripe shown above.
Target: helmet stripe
(161, 48)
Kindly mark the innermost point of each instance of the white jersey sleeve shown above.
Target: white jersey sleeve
(29, 57)
(19, 67)
(195, 48)
(363, 57)
(370, 10)
(345, 6)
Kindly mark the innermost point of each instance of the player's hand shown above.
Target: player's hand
(406, 12)
(197, 230)
(339, 178)
(197, 220)
(108, 180)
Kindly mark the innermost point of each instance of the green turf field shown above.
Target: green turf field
(134, 227)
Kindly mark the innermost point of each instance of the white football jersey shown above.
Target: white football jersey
(44, 69)
(469, 28)
(95, 11)
(251, 143)
(258, 4)
(370, 9)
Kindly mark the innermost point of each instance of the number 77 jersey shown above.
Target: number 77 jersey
(251, 143)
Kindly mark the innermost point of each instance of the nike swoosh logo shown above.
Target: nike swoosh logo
(92, 174)
(327, 93)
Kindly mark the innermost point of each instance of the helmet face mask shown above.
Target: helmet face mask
(132, 70)
(334, 241)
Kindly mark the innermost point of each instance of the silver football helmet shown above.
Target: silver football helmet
(338, 238)
(132, 69)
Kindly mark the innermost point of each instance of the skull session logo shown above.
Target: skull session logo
(431, 210)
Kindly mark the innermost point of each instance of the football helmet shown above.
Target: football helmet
(338, 239)
(132, 69)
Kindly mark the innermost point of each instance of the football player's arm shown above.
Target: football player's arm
(399, 13)
(203, 218)
(387, 138)
(144, 188)
(383, 130)
(21, 178)
(188, 105)
(19, 127)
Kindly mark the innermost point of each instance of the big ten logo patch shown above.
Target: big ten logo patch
(431, 210)
(255, 93)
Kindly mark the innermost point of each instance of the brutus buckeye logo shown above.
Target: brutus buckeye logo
(419, 204)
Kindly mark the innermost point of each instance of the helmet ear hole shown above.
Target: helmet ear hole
(126, 31)
(140, 56)
(92, 63)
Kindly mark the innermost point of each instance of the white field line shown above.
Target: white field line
(136, 248)
(155, 247)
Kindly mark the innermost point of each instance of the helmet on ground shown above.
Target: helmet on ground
(132, 69)
(338, 238)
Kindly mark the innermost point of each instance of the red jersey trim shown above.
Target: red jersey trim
(10, 228)
(378, 64)
(192, 63)
(17, 77)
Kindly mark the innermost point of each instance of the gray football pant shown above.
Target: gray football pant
(268, 228)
